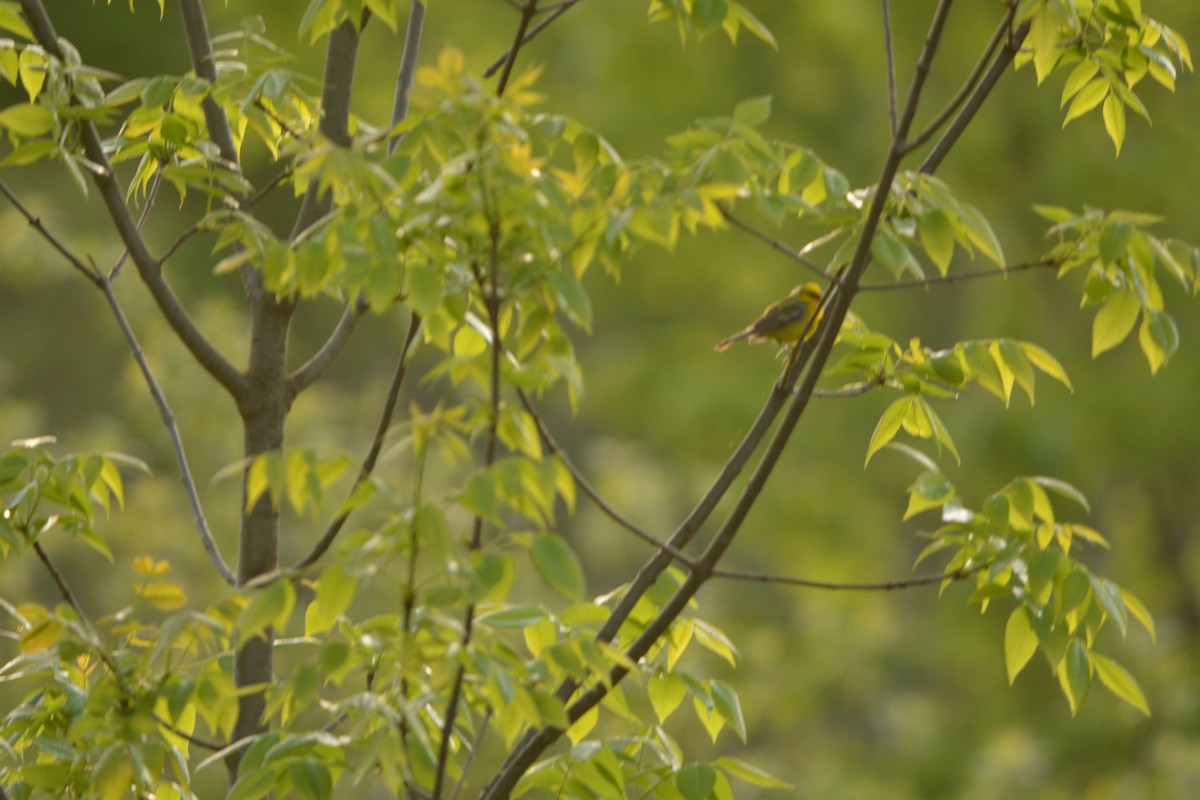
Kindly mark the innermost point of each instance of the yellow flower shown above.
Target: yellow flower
(785, 322)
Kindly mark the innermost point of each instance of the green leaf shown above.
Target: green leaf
(1043, 36)
(889, 424)
(752, 112)
(571, 296)
(1074, 675)
(1020, 642)
(728, 706)
(1139, 612)
(514, 617)
(27, 119)
(267, 608)
(1043, 360)
(1087, 98)
(1114, 120)
(931, 489)
(1114, 321)
(666, 691)
(695, 781)
(558, 565)
(1118, 681)
(335, 591)
(748, 773)
(1158, 338)
(937, 237)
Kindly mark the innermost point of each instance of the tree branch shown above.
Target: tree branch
(589, 490)
(308, 372)
(368, 465)
(968, 85)
(557, 12)
(104, 284)
(778, 245)
(994, 73)
(532, 745)
(528, 11)
(918, 283)
(195, 28)
(883, 586)
(148, 268)
(408, 66)
(891, 63)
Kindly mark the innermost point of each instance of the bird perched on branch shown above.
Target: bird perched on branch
(786, 322)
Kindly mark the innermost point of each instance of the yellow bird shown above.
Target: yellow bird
(785, 322)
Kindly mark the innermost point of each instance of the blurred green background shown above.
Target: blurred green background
(883, 696)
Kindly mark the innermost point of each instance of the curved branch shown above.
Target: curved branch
(114, 200)
(368, 465)
(589, 490)
(534, 744)
(195, 28)
(994, 73)
(311, 370)
(882, 586)
(104, 284)
(408, 66)
(562, 8)
(968, 85)
(919, 283)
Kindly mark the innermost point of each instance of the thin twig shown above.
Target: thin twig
(775, 244)
(471, 753)
(818, 352)
(408, 66)
(561, 9)
(204, 744)
(891, 63)
(168, 417)
(882, 586)
(115, 272)
(164, 409)
(528, 11)
(853, 390)
(76, 263)
(590, 491)
(368, 464)
(920, 283)
(973, 104)
(968, 85)
(311, 370)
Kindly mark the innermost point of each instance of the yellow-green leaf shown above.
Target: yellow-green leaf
(1118, 681)
(1020, 642)
(1114, 321)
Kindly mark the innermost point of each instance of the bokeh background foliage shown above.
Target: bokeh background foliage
(848, 695)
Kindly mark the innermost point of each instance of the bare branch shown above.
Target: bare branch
(882, 586)
(891, 63)
(993, 76)
(968, 85)
(311, 370)
(114, 200)
(195, 28)
(203, 744)
(589, 490)
(557, 12)
(408, 65)
(368, 465)
(776, 244)
(920, 283)
(528, 10)
(168, 418)
(92, 275)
